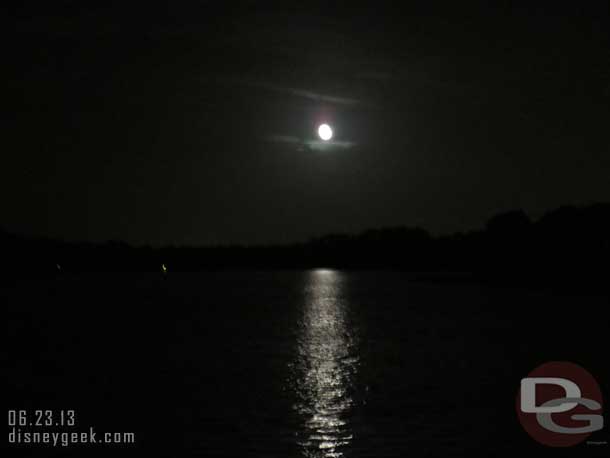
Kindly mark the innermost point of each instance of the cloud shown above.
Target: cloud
(296, 92)
(319, 145)
(311, 145)
(319, 97)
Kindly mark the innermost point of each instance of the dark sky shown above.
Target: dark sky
(195, 123)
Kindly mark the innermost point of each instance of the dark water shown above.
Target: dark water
(292, 364)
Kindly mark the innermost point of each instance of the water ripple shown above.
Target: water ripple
(325, 368)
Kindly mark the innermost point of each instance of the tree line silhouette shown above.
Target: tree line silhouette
(570, 242)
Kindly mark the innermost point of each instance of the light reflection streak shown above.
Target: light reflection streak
(325, 367)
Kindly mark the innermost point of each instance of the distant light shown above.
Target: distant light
(325, 132)
(163, 268)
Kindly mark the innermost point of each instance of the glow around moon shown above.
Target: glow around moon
(325, 132)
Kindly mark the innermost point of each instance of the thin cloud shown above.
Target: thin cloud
(311, 145)
(297, 92)
(319, 97)
(319, 145)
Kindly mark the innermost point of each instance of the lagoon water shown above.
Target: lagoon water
(318, 363)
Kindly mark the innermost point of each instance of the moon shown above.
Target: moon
(325, 132)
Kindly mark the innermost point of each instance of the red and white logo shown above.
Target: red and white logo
(560, 404)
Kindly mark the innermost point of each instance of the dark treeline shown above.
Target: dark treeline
(568, 242)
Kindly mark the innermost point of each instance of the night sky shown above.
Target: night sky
(196, 123)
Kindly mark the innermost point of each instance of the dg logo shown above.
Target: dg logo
(560, 404)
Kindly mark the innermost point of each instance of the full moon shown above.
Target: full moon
(325, 132)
